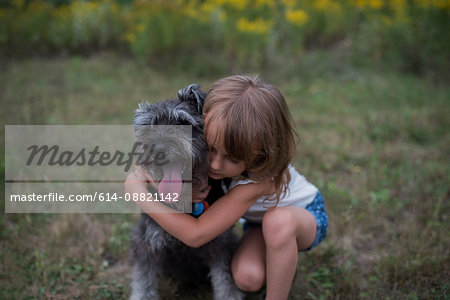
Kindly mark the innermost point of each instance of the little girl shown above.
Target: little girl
(249, 130)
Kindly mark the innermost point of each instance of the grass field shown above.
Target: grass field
(376, 143)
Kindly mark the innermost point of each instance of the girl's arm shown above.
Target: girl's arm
(196, 232)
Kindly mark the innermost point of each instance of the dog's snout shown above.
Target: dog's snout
(161, 148)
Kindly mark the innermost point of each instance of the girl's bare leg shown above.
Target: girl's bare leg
(286, 230)
(248, 263)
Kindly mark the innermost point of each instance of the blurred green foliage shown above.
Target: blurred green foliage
(408, 35)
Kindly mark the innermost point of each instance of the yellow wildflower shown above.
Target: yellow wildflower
(297, 17)
(442, 4)
(261, 3)
(238, 4)
(359, 3)
(387, 21)
(204, 12)
(397, 4)
(191, 10)
(289, 3)
(327, 6)
(130, 37)
(376, 4)
(257, 26)
(222, 16)
(140, 27)
(207, 8)
(373, 4)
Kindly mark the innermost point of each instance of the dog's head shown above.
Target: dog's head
(172, 141)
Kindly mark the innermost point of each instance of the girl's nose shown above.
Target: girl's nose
(215, 163)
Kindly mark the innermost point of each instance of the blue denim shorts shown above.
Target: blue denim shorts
(317, 209)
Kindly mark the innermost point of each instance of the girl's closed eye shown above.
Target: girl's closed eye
(222, 165)
(233, 160)
(226, 156)
(212, 149)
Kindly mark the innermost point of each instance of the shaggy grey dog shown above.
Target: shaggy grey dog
(155, 253)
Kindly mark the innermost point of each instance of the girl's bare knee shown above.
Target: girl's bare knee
(278, 228)
(249, 278)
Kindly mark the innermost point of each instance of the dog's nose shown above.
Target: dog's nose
(161, 148)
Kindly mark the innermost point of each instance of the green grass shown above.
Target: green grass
(375, 142)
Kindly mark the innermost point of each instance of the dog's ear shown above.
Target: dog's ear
(192, 93)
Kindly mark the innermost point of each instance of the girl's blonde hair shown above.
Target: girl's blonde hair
(256, 127)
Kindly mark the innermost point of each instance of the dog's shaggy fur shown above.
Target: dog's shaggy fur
(154, 252)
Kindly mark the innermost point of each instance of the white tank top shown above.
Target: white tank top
(300, 193)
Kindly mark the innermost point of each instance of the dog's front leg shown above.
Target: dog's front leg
(222, 281)
(144, 283)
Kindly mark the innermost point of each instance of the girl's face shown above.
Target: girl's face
(221, 165)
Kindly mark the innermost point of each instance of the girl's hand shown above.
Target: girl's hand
(138, 180)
